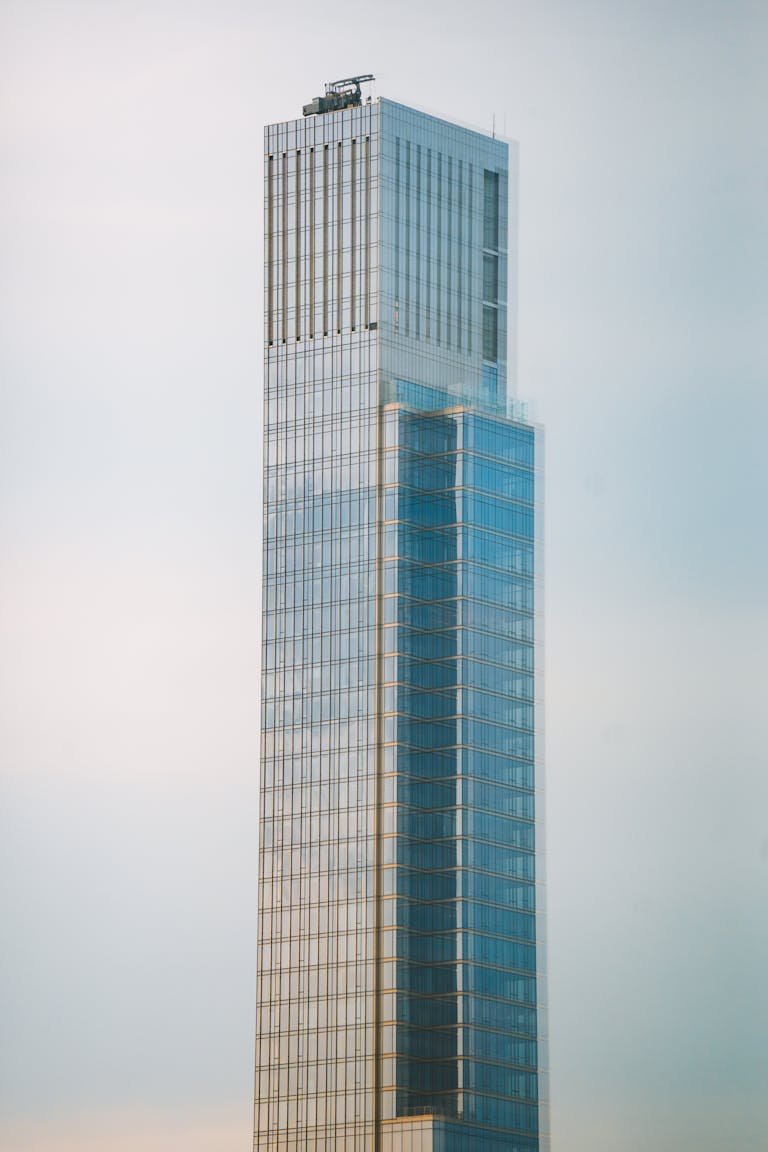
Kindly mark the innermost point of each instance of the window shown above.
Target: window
(490, 277)
(490, 332)
(490, 209)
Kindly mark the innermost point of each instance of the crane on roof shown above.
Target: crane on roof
(344, 93)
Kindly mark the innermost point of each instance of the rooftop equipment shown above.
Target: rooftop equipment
(339, 94)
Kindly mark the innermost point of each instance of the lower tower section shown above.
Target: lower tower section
(462, 1042)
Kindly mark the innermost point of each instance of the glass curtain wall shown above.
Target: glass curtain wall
(460, 897)
(315, 1069)
(400, 994)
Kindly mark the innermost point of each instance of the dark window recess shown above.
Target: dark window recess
(271, 249)
(490, 209)
(490, 333)
(490, 277)
(353, 238)
(339, 236)
(284, 252)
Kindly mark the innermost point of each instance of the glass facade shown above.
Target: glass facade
(401, 947)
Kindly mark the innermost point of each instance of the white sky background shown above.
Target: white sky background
(130, 425)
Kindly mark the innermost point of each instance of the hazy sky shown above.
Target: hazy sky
(130, 426)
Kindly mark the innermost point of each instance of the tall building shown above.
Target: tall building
(400, 994)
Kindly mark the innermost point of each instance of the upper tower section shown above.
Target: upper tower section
(386, 221)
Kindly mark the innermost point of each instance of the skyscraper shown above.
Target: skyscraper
(400, 994)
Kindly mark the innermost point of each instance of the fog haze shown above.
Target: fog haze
(130, 428)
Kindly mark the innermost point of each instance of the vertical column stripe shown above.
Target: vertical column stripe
(339, 233)
(270, 249)
(284, 253)
(311, 273)
(353, 234)
(367, 316)
(439, 249)
(448, 261)
(470, 256)
(428, 301)
(298, 212)
(397, 234)
(418, 276)
(459, 253)
(407, 285)
(325, 240)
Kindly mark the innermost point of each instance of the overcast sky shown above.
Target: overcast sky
(130, 426)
